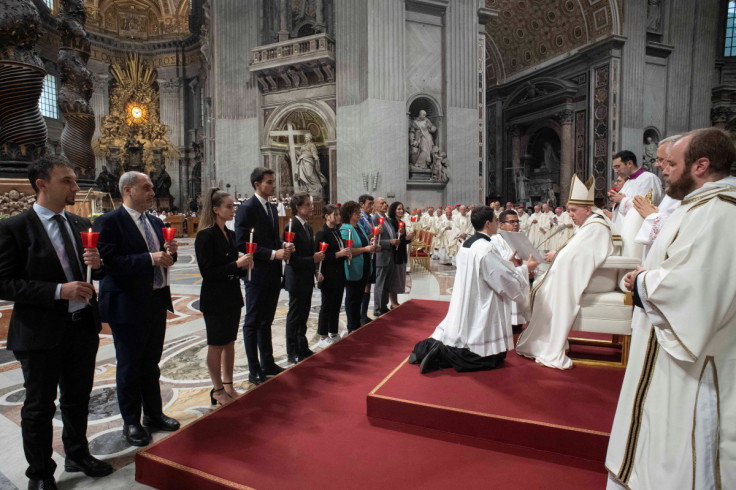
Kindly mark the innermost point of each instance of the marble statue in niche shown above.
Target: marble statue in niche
(654, 16)
(551, 160)
(309, 177)
(161, 182)
(421, 141)
(521, 180)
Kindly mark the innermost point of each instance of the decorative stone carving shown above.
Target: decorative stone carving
(654, 16)
(161, 182)
(439, 166)
(720, 115)
(22, 127)
(107, 182)
(650, 152)
(14, 202)
(565, 116)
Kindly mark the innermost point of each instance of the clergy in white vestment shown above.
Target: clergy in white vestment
(562, 230)
(535, 221)
(476, 333)
(675, 424)
(546, 224)
(463, 225)
(446, 238)
(555, 297)
(655, 216)
(523, 220)
(426, 222)
(638, 182)
(509, 221)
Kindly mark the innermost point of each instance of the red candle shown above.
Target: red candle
(250, 247)
(376, 230)
(614, 189)
(322, 246)
(402, 224)
(169, 233)
(289, 236)
(413, 219)
(349, 243)
(89, 238)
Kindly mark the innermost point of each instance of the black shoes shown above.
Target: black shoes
(136, 435)
(365, 320)
(161, 422)
(273, 370)
(293, 359)
(88, 465)
(256, 379)
(305, 354)
(42, 484)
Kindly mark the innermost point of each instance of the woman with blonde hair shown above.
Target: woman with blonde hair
(220, 298)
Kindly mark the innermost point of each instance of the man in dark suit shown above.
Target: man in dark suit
(259, 217)
(54, 326)
(384, 259)
(134, 298)
(299, 279)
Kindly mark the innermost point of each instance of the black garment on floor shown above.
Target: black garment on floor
(462, 360)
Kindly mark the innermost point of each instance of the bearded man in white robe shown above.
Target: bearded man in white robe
(555, 297)
(638, 182)
(675, 424)
(476, 333)
(655, 216)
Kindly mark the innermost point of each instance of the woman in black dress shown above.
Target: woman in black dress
(220, 298)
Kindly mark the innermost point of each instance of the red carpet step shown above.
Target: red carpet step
(568, 412)
(308, 428)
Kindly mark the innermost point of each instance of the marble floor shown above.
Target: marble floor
(185, 382)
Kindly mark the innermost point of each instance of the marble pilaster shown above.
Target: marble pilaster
(567, 145)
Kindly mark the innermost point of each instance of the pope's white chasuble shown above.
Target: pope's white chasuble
(555, 297)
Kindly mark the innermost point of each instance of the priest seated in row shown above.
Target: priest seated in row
(555, 297)
(476, 333)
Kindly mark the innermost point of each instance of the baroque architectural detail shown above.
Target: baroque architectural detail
(14, 202)
(140, 20)
(565, 116)
(134, 122)
(720, 115)
(22, 127)
(76, 89)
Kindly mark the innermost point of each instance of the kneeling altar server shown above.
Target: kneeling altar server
(476, 333)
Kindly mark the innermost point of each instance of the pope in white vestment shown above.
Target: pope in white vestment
(555, 297)
(675, 425)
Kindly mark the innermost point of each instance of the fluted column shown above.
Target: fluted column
(632, 76)
(23, 130)
(567, 152)
(679, 83)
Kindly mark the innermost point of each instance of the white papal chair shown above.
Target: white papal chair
(606, 306)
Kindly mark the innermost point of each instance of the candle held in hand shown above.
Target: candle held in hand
(89, 240)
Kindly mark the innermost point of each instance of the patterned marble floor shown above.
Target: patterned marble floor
(185, 382)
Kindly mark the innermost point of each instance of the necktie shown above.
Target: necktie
(71, 255)
(158, 276)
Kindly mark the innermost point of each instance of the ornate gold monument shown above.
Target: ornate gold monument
(132, 136)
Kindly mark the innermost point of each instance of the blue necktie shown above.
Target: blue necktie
(158, 276)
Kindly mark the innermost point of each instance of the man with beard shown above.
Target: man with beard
(655, 216)
(674, 424)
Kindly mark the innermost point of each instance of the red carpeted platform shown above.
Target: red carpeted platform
(569, 412)
(308, 428)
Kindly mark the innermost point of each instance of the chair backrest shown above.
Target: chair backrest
(631, 225)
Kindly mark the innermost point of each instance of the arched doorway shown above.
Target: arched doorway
(299, 145)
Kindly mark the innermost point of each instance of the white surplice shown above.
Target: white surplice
(479, 316)
(463, 226)
(653, 223)
(503, 249)
(638, 184)
(675, 424)
(533, 234)
(524, 224)
(555, 298)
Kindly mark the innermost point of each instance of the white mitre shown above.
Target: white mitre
(582, 194)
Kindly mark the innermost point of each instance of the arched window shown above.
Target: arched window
(47, 102)
(730, 45)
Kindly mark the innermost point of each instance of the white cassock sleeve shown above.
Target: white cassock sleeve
(504, 279)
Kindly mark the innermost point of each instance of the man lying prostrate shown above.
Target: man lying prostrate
(476, 333)
(555, 298)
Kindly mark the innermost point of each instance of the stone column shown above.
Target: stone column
(283, 30)
(515, 133)
(76, 91)
(567, 151)
(23, 130)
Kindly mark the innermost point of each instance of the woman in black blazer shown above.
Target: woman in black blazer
(398, 285)
(220, 298)
(333, 271)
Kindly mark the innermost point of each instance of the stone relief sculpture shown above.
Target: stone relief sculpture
(654, 16)
(107, 182)
(14, 202)
(285, 169)
(161, 182)
(650, 153)
(551, 160)
(421, 141)
(308, 176)
(520, 179)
